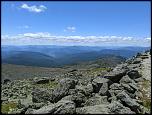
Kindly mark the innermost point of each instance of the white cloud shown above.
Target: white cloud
(36, 9)
(45, 38)
(70, 29)
(148, 38)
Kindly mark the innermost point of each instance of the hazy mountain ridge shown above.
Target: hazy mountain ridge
(57, 56)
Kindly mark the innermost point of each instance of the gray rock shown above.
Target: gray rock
(104, 89)
(116, 74)
(87, 90)
(116, 86)
(41, 95)
(128, 88)
(126, 79)
(58, 93)
(96, 100)
(41, 80)
(133, 74)
(98, 82)
(6, 81)
(137, 60)
(117, 108)
(96, 109)
(68, 83)
(62, 107)
(65, 107)
(129, 102)
(79, 99)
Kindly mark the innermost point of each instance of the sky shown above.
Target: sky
(76, 23)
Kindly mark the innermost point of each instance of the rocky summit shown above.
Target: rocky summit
(126, 89)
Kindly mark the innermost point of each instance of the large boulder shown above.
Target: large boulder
(129, 102)
(87, 90)
(6, 80)
(96, 109)
(41, 80)
(137, 60)
(58, 93)
(133, 74)
(62, 107)
(126, 79)
(117, 108)
(128, 88)
(104, 89)
(98, 83)
(117, 73)
(96, 100)
(68, 83)
(41, 95)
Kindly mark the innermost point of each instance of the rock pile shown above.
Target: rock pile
(116, 92)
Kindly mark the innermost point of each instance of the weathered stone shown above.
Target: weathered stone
(59, 93)
(133, 74)
(96, 100)
(98, 82)
(104, 89)
(137, 60)
(41, 95)
(116, 74)
(96, 109)
(117, 108)
(68, 83)
(129, 102)
(128, 88)
(87, 90)
(116, 86)
(41, 80)
(62, 107)
(5, 81)
(126, 79)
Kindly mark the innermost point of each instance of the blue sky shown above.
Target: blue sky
(76, 23)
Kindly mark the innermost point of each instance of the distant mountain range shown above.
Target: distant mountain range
(57, 56)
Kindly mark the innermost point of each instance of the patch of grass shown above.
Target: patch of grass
(51, 84)
(145, 99)
(5, 108)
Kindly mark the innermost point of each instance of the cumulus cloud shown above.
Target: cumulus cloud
(36, 9)
(70, 29)
(45, 38)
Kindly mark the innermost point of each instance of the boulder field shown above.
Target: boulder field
(123, 90)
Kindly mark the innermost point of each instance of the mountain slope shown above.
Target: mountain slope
(29, 59)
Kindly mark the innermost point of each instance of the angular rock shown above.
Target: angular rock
(96, 109)
(133, 74)
(126, 79)
(104, 89)
(5, 81)
(79, 99)
(129, 102)
(117, 108)
(58, 93)
(87, 90)
(128, 88)
(137, 60)
(41, 95)
(68, 83)
(96, 100)
(98, 82)
(62, 107)
(41, 80)
(116, 74)
(116, 86)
